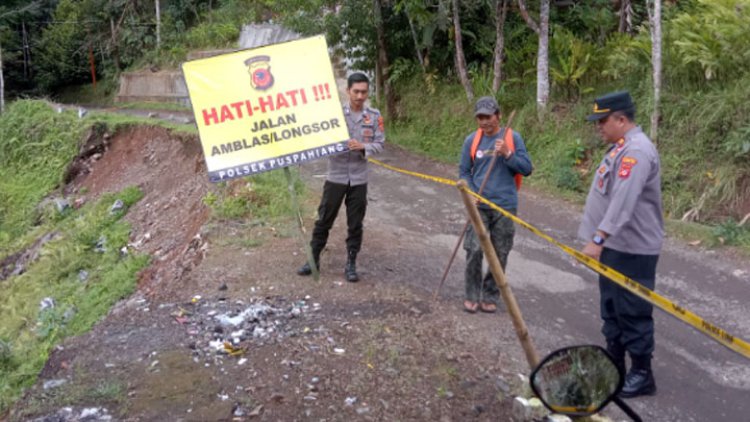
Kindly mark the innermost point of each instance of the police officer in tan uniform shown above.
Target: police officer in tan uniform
(624, 228)
(347, 177)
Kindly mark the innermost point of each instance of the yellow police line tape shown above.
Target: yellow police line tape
(732, 342)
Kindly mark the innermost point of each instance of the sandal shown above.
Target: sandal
(470, 307)
(490, 308)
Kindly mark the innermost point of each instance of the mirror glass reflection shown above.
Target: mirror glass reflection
(576, 380)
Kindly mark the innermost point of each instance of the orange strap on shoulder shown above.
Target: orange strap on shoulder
(508, 137)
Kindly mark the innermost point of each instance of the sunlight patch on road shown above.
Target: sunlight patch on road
(727, 313)
(524, 274)
(729, 374)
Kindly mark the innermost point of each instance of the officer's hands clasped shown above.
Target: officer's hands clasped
(355, 145)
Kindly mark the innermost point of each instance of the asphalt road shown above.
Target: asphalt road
(697, 378)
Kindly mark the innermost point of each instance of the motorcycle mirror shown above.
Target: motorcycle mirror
(577, 380)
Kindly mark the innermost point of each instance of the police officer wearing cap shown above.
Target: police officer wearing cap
(624, 228)
(347, 177)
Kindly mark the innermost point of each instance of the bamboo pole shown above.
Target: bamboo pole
(497, 271)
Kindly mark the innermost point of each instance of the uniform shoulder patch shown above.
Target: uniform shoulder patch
(626, 165)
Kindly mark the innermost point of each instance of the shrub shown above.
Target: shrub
(714, 37)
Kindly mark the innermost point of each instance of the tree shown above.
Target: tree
(542, 60)
(158, 25)
(383, 66)
(501, 11)
(654, 18)
(404, 6)
(2, 83)
(5, 17)
(460, 58)
(626, 16)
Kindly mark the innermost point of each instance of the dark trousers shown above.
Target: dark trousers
(356, 205)
(501, 231)
(628, 320)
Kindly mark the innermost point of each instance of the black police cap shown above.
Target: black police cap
(608, 104)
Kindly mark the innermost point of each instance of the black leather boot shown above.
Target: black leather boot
(640, 379)
(350, 271)
(305, 269)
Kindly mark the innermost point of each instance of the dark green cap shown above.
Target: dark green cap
(608, 104)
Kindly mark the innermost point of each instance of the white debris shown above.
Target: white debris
(527, 410)
(557, 418)
(253, 313)
(117, 206)
(46, 303)
(53, 383)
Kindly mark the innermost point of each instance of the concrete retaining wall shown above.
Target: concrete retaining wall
(169, 86)
(162, 86)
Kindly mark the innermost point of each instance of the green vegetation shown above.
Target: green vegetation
(152, 105)
(83, 269)
(258, 206)
(103, 392)
(36, 146)
(264, 196)
(704, 136)
(118, 121)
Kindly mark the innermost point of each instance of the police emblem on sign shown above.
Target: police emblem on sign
(259, 68)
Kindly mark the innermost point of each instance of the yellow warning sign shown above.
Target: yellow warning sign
(266, 108)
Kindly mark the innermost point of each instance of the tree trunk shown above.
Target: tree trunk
(158, 25)
(501, 11)
(655, 24)
(542, 67)
(460, 59)
(378, 83)
(390, 99)
(626, 16)
(26, 52)
(525, 15)
(2, 82)
(542, 59)
(416, 40)
(114, 49)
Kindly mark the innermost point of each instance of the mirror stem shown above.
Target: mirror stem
(625, 408)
